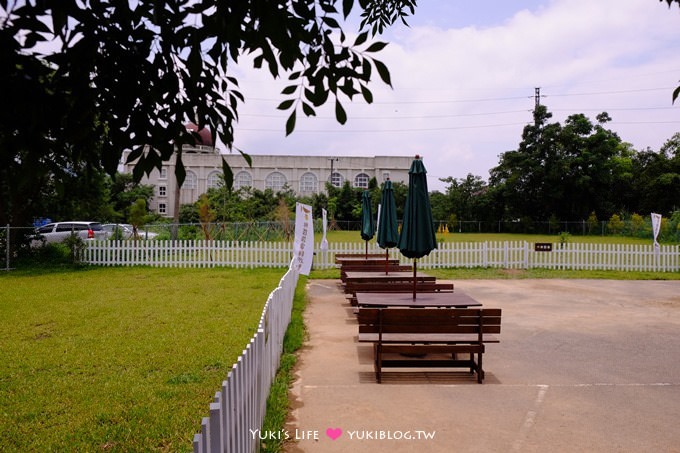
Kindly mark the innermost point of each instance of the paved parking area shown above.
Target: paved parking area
(583, 365)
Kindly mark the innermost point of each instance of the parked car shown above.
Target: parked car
(125, 231)
(58, 231)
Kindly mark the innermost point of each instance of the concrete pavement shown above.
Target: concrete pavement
(583, 365)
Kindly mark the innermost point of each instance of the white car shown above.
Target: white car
(125, 231)
(58, 231)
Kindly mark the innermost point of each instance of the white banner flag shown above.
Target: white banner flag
(377, 222)
(656, 226)
(324, 241)
(303, 246)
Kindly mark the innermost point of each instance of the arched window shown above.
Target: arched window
(242, 179)
(215, 180)
(275, 181)
(309, 182)
(191, 181)
(361, 181)
(337, 180)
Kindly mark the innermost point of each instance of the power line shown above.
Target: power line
(508, 98)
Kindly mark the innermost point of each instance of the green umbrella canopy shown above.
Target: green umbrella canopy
(388, 230)
(418, 235)
(367, 223)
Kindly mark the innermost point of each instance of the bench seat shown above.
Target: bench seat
(432, 337)
(396, 287)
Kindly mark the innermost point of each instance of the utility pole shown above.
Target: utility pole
(537, 103)
(537, 97)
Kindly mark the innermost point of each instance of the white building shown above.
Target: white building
(305, 175)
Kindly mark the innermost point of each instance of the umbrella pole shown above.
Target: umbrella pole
(387, 261)
(366, 249)
(415, 265)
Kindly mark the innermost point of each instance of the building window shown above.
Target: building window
(386, 175)
(275, 181)
(162, 191)
(361, 181)
(191, 181)
(162, 208)
(242, 179)
(337, 179)
(215, 180)
(309, 183)
(164, 173)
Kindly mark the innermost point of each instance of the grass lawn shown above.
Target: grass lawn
(119, 359)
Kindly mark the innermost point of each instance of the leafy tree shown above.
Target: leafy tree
(467, 198)
(562, 170)
(615, 224)
(138, 216)
(592, 223)
(282, 216)
(637, 224)
(441, 206)
(179, 65)
(657, 178)
(123, 192)
(206, 215)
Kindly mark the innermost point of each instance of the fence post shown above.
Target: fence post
(7, 244)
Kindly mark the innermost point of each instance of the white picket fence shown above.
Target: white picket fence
(498, 254)
(239, 407)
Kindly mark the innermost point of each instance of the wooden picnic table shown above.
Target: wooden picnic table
(340, 257)
(457, 299)
(371, 260)
(377, 276)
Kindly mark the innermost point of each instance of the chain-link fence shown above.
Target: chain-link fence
(19, 243)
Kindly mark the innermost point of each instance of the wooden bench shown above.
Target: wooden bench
(395, 287)
(401, 336)
(373, 268)
(339, 256)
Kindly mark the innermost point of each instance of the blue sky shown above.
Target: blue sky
(464, 75)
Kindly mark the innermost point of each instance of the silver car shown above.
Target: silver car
(125, 231)
(58, 231)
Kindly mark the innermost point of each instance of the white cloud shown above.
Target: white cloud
(566, 47)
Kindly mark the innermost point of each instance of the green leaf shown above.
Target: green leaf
(368, 96)
(180, 171)
(331, 22)
(376, 46)
(285, 105)
(249, 160)
(290, 124)
(347, 7)
(383, 71)
(228, 175)
(361, 38)
(340, 113)
(308, 110)
(289, 89)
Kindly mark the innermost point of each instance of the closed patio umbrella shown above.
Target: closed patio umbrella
(388, 230)
(367, 223)
(418, 235)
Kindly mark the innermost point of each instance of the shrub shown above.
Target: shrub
(615, 224)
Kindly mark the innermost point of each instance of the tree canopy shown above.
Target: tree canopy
(86, 80)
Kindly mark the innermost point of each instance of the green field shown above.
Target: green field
(354, 236)
(119, 359)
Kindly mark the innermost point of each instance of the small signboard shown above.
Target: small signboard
(543, 247)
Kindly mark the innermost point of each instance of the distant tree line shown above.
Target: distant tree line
(562, 177)
(574, 171)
